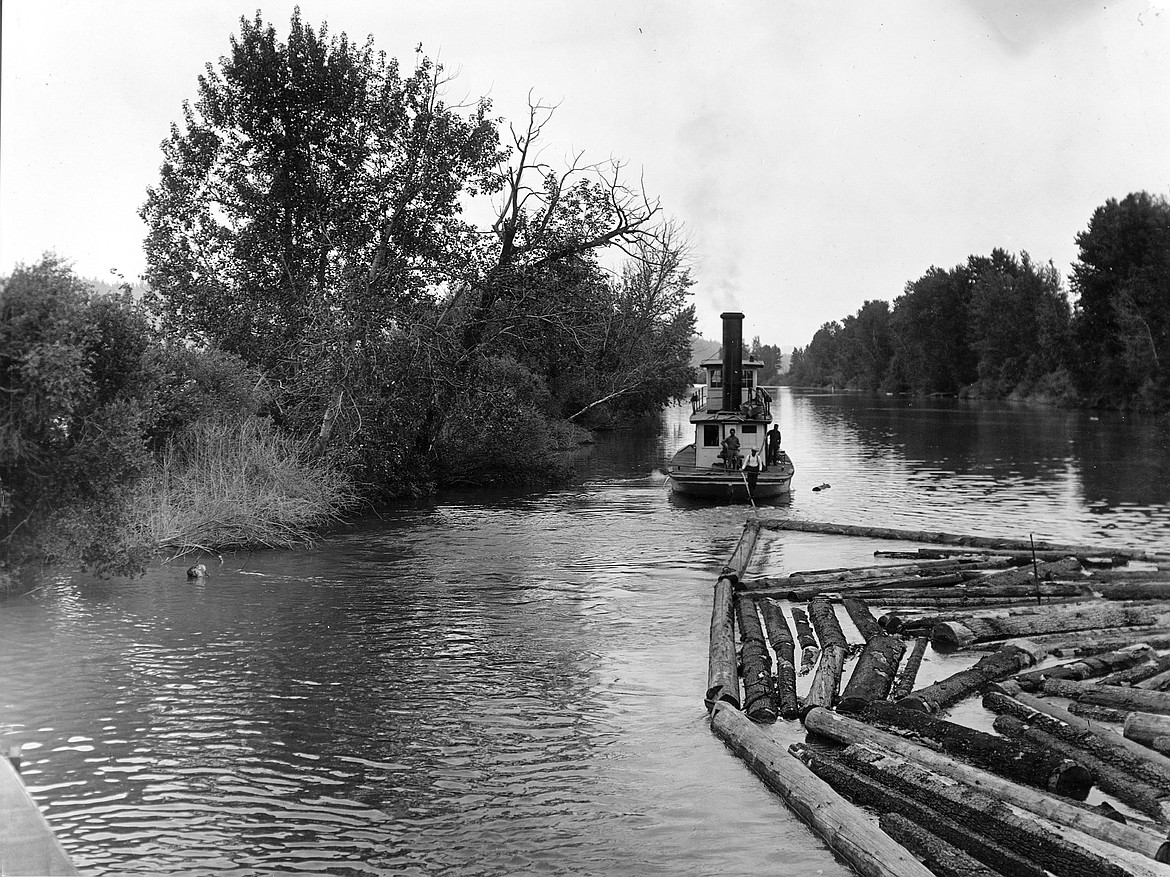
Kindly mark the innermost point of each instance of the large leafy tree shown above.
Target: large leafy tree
(1018, 321)
(309, 217)
(1122, 317)
(928, 328)
(312, 191)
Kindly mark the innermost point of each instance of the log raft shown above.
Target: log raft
(943, 801)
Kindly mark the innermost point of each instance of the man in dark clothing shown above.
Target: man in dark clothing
(774, 445)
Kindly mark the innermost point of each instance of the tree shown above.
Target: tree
(308, 217)
(72, 371)
(928, 327)
(1018, 321)
(1122, 316)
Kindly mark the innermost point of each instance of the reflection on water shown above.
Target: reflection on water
(502, 682)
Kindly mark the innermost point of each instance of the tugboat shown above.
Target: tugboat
(731, 413)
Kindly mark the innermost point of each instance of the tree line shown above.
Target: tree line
(326, 287)
(1002, 326)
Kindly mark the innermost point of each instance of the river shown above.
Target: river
(503, 682)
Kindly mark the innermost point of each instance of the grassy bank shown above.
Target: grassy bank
(225, 484)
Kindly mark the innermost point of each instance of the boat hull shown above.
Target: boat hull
(719, 484)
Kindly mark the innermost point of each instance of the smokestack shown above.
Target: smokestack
(732, 360)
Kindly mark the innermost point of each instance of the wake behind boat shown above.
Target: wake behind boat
(731, 413)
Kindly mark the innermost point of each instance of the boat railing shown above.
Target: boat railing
(753, 398)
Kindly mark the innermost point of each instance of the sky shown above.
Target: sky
(818, 154)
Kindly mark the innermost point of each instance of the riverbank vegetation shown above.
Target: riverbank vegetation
(357, 293)
(1001, 326)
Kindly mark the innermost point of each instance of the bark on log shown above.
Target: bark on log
(931, 537)
(876, 795)
(874, 672)
(970, 601)
(1021, 762)
(722, 666)
(1141, 796)
(741, 555)
(1159, 590)
(1009, 659)
(846, 730)
(1097, 713)
(780, 638)
(904, 683)
(825, 623)
(955, 634)
(942, 858)
(862, 618)
(1105, 744)
(1089, 667)
(759, 694)
(1045, 845)
(808, 643)
(1131, 699)
(846, 829)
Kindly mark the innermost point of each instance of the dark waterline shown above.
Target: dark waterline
(502, 682)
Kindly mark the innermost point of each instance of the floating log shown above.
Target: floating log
(889, 570)
(888, 596)
(822, 691)
(1107, 745)
(1139, 795)
(955, 634)
(1009, 659)
(1088, 667)
(970, 601)
(846, 730)
(722, 665)
(759, 694)
(1139, 672)
(874, 672)
(1059, 851)
(1091, 642)
(866, 790)
(809, 652)
(942, 858)
(827, 679)
(845, 828)
(967, 541)
(1022, 762)
(1125, 574)
(780, 638)
(904, 682)
(1157, 682)
(862, 618)
(1158, 590)
(797, 590)
(1145, 728)
(1131, 699)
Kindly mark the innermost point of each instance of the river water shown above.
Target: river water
(503, 682)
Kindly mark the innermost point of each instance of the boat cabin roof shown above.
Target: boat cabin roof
(717, 361)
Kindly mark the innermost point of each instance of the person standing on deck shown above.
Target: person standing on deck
(774, 445)
(731, 450)
(751, 470)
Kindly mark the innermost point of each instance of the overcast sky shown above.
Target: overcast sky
(819, 154)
